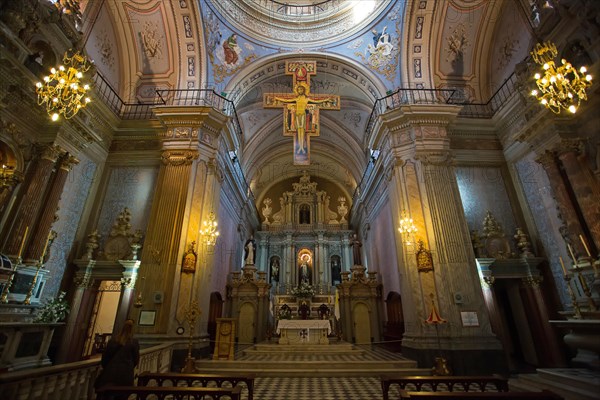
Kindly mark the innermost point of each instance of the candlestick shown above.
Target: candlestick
(23, 242)
(46, 247)
(572, 255)
(576, 308)
(585, 246)
(562, 264)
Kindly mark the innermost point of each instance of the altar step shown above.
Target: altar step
(570, 383)
(340, 359)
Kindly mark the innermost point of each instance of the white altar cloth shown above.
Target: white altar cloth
(299, 331)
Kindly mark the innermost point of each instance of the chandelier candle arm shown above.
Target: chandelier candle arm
(64, 91)
(209, 231)
(561, 87)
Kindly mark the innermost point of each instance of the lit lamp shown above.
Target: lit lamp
(63, 91)
(209, 231)
(407, 228)
(560, 87)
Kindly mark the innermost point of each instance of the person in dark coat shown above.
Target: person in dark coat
(119, 360)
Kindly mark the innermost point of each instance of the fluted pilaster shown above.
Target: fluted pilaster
(585, 187)
(31, 202)
(37, 246)
(565, 206)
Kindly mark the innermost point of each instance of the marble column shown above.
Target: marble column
(547, 345)
(8, 182)
(585, 187)
(37, 245)
(347, 260)
(35, 185)
(563, 202)
(73, 337)
(128, 280)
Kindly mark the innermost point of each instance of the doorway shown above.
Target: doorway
(362, 324)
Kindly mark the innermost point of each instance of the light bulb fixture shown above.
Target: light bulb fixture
(561, 87)
(407, 227)
(64, 91)
(209, 231)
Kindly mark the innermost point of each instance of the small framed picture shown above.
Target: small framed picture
(469, 318)
(147, 318)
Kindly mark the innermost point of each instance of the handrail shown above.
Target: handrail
(72, 381)
(174, 97)
(403, 96)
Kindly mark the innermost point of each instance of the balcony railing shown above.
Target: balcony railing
(73, 381)
(171, 97)
(291, 10)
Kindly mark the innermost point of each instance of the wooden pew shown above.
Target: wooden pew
(448, 383)
(177, 379)
(171, 392)
(543, 395)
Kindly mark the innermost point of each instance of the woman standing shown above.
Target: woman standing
(119, 360)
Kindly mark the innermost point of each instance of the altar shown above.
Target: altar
(306, 331)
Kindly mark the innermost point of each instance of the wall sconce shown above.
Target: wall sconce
(407, 228)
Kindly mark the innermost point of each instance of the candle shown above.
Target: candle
(562, 264)
(46, 246)
(572, 255)
(585, 246)
(23, 242)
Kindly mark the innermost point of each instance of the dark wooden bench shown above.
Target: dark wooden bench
(445, 383)
(196, 380)
(170, 392)
(543, 395)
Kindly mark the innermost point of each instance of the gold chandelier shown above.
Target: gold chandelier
(561, 87)
(407, 228)
(63, 91)
(209, 231)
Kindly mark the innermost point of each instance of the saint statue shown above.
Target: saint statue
(275, 269)
(356, 245)
(250, 251)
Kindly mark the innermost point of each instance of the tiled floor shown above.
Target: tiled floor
(351, 388)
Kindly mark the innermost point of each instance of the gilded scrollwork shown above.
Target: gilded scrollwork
(181, 157)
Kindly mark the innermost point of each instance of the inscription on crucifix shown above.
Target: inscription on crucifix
(301, 109)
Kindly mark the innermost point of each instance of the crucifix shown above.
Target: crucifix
(301, 109)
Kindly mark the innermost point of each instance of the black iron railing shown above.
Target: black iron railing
(498, 99)
(291, 10)
(404, 96)
(174, 97)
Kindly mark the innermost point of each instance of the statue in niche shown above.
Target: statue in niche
(336, 269)
(250, 251)
(356, 245)
(304, 217)
(275, 269)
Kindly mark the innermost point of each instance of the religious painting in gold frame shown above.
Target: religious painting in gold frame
(424, 258)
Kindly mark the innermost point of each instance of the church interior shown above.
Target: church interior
(411, 186)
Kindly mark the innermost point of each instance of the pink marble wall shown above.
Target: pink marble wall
(381, 250)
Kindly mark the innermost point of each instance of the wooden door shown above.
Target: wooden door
(362, 324)
(246, 324)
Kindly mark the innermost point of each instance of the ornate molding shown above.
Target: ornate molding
(442, 158)
(67, 162)
(179, 157)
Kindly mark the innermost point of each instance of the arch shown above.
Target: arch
(394, 327)
(215, 310)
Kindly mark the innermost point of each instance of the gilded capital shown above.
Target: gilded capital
(532, 281)
(52, 153)
(179, 157)
(547, 159)
(67, 162)
(437, 158)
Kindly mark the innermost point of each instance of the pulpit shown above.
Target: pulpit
(309, 331)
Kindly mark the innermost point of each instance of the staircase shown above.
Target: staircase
(570, 383)
(333, 360)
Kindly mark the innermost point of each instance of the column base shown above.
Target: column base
(461, 362)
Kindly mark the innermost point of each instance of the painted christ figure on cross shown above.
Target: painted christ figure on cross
(301, 109)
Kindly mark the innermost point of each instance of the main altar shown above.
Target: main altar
(303, 331)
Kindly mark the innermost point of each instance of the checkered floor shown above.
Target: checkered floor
(351, 388)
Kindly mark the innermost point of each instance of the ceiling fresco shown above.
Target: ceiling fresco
(230, 47)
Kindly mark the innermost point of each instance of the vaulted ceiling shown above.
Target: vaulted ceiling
(143, 45)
